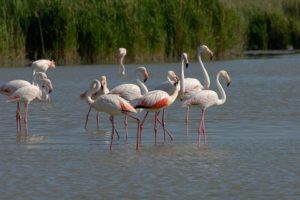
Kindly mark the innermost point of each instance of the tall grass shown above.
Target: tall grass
(90, 31)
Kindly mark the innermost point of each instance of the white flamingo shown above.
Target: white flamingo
(155, 101)
(42, 65)
(191, 85)
(103, 90)
(113, 105)
(207, 98)
(122, 53)
(26, 94)
(130, 91)
(10, 87)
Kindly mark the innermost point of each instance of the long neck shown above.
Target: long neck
(221, 90)
(122, 65)
(92, 91)
(175, 93)
(142, 86)
(206, 77)
(182, 84)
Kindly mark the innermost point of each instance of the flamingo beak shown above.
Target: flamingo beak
(228, 83)
(186, 65)
(176, 81)
(211, 55)
(145, 77)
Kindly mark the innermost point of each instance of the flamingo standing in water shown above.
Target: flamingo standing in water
(155, 101)
(207, 98)
(26, 94)
(42, 65)
(168, 86)
(122, 53)
(10, 87)
(131, 92)
(191, 85)
(113, 105)
(103, 90)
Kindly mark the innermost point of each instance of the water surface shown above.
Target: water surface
(252, 151)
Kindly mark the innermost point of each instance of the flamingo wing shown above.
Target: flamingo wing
(154, 100)
(127, 91)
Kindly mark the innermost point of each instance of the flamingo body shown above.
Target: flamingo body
(42, 65)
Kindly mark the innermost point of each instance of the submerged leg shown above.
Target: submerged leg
(26, 116)
(97, 118)
(18, 117)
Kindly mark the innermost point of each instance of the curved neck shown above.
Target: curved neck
(221, 90)
(92, 91)
(142, 86)
(206, 77)
(122, 67)
(182, 84)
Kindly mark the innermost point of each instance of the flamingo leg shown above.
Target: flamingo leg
(168, 132)
(164, 125)
(203, 127)
(126, 127)
(26, 116)
(155, 128)
(138, 129)
(18, 117)
(87, 117)
(187, 120)
(142, 125)
(97, 118)
(112, 130)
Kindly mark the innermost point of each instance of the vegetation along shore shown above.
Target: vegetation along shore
(91, 31)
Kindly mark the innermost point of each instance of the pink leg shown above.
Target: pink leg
(26, 116)
(169, 133)
(164, 125)
(87, 117)
(112, 130)
(155, 129)
(142, 125)
(187, 120)
(203, 127)
(138, 129)
(18, 117)
(126, 127)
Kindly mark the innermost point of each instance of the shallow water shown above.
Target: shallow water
(252, 151)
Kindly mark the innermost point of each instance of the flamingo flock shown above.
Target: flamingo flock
(128, 99)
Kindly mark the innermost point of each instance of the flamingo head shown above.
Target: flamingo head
(52, 64)
(122, 52)
(226, 77)
(103, 82)
(172, 77)
(206, 50)
(185, 59)
(47, 85)
(143, 71)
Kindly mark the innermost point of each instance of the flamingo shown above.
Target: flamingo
(113, 105)
(131, 92)
(168, 86)
(122, 53)
(10, 87)
(26, 94)
(191, 85)
(42, 65)
(155, 101)
(103, 90)
(207, 98)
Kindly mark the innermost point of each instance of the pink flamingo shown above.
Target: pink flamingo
(122, 53)
(168, 86)
(113, 105)
(155, 101)
(10, 87)
(207, 98)
(131, 92)
(26, 94)
(103, 90)
(191, 85)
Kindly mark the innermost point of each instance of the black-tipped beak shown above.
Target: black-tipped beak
(50, 90)
(228, 84)
(211, 57)
(187, 65)
(145, 79)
